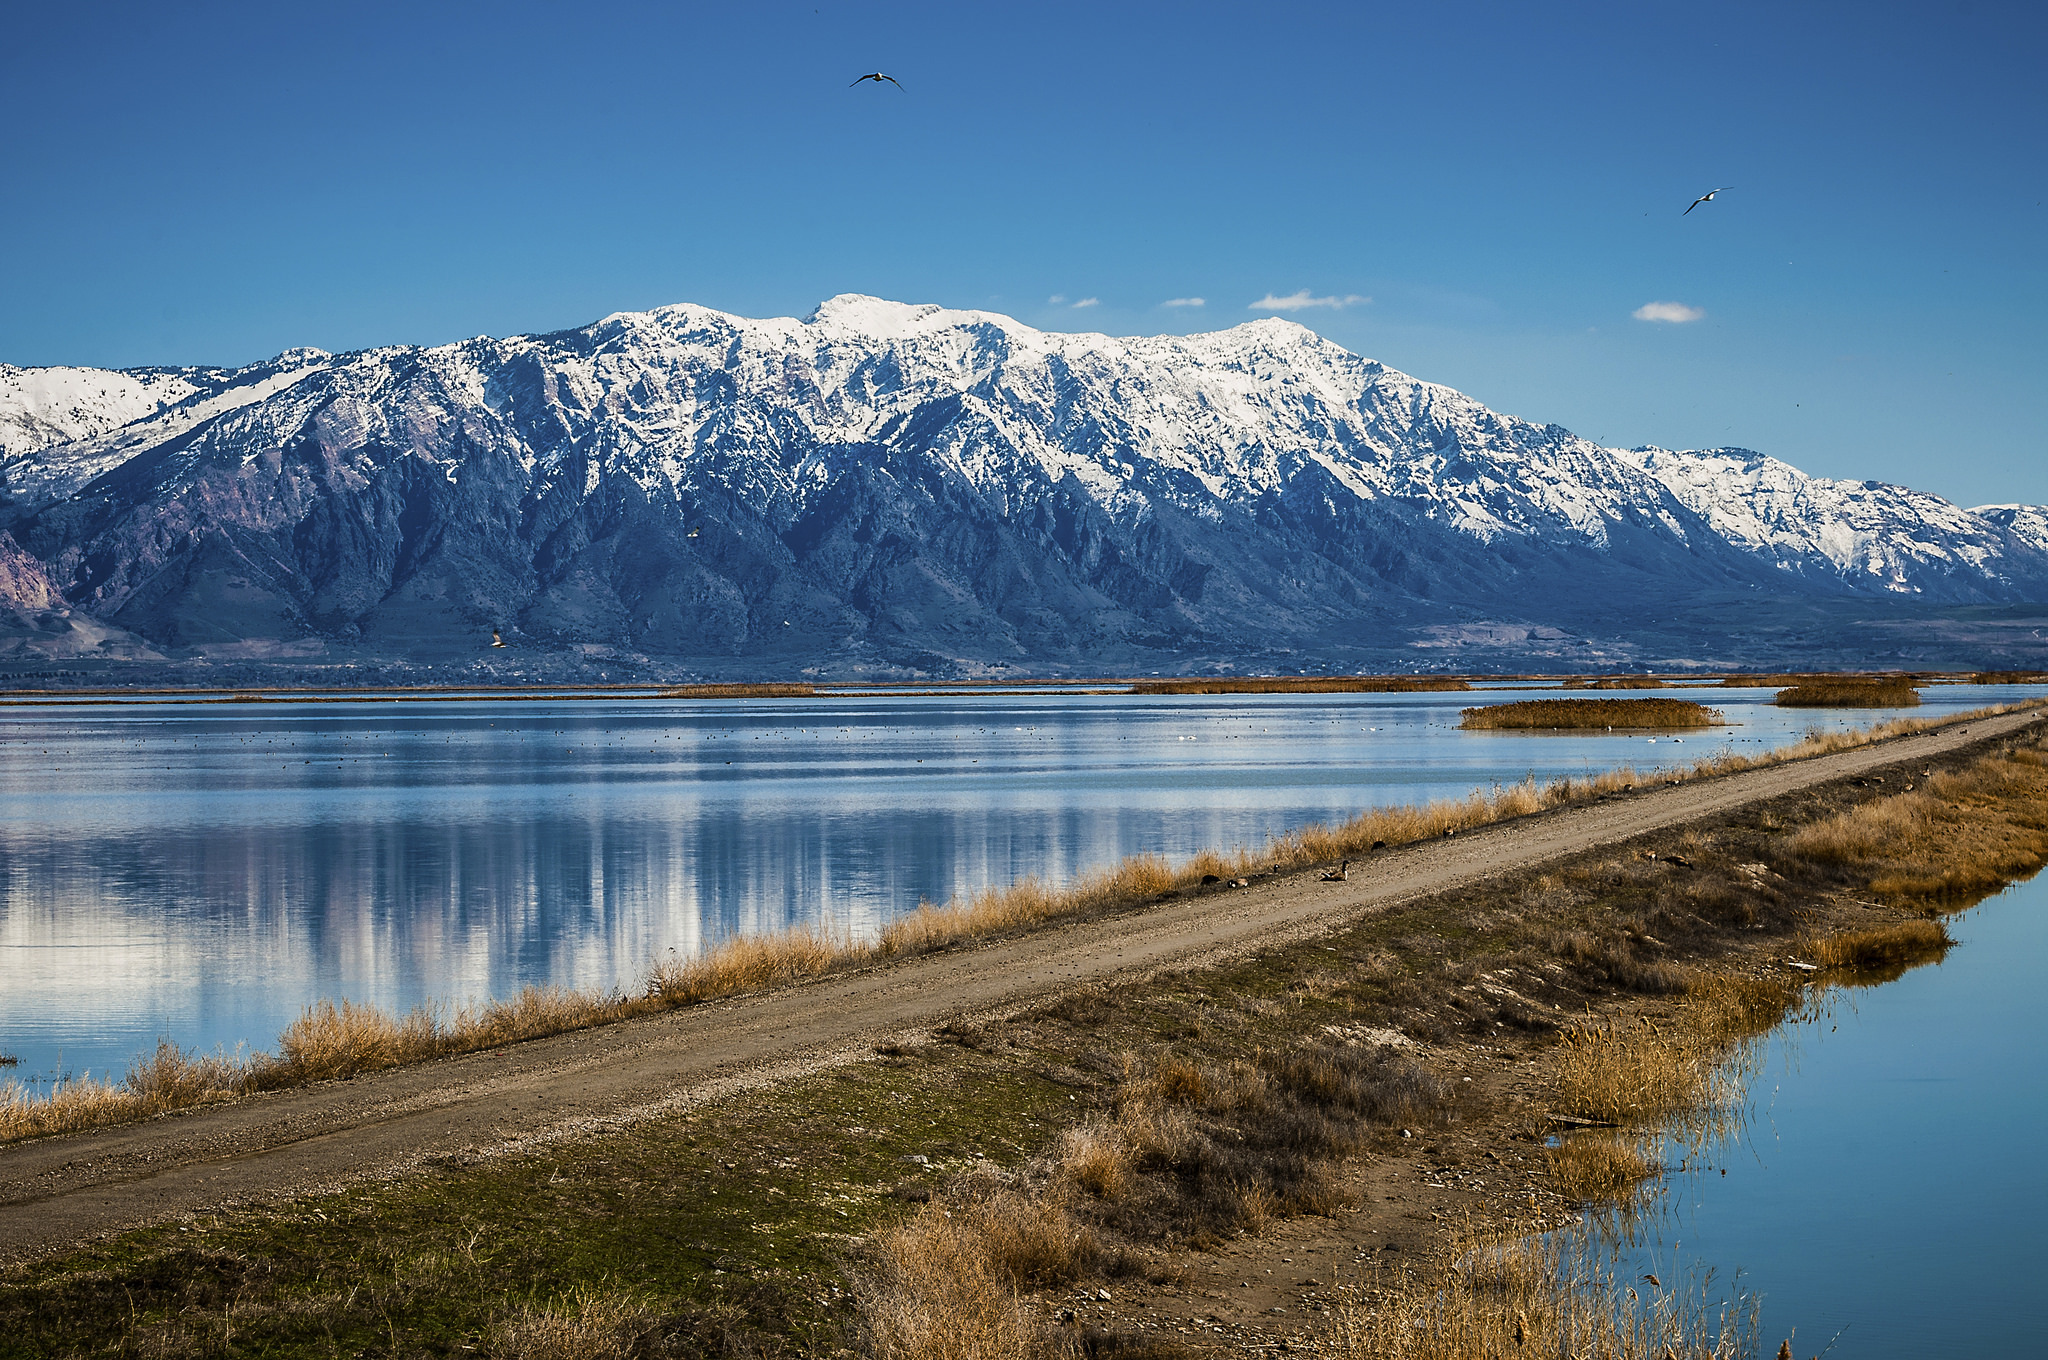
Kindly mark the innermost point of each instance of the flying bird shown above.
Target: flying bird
(1707, 197)
(878, 77)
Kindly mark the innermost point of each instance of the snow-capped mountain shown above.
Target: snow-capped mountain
(2028, 523)
(41, 407)
(905, 480)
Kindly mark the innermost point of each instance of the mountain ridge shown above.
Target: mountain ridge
(891, 484)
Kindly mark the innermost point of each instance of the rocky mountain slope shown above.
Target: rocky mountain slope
(890, 485)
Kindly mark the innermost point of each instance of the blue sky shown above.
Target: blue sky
(1497, 189)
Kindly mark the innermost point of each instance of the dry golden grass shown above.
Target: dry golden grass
(587, 1325)
(750, 963)
(1304, 684)
(934, 1294)
(1141, 878)
(1098, 1160)
(759, 691)
(1620, 682)
(2010, 678)
(1030, 1241)
(73, 1106)
(1881, 947)
(1537, 714)
(1516, 1297)
(1851, 692)
(339, 1040)
(1641, 1073)
(1953, 838)
(1599, 1164)
(171, 1078)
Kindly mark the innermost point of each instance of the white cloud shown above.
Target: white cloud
(1088, 302)
(1673, 312)
(1299, 301)
(1184, 302)
(1056, 299)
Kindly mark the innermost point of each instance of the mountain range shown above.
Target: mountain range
(892, 489)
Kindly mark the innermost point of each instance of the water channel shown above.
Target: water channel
(1886, 1190)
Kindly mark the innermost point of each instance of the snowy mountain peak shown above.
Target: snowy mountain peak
(682, 474)
(881, 319)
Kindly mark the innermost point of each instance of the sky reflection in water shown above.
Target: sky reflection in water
(1888, 1177)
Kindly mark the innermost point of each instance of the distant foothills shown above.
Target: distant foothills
(887, 490)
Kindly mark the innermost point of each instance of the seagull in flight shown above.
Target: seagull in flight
(878, 77)
(1707, 197)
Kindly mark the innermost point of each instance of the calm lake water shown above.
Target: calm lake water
(1890, 1176)
(201, 871)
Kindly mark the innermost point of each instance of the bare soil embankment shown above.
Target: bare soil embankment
(60, 1191)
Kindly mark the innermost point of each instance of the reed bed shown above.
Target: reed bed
(774, 690)
(1881, 948)
(1541, 714)
(1877, 692)
(2009, 678)
(1619, 682)
(333, 1040)
(1644, 1073)
(1512, 1296)
(1304, 684)
(1600, 1164)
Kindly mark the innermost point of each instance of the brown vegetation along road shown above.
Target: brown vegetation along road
(60, 1190)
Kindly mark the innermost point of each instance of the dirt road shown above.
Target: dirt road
(59, 1191)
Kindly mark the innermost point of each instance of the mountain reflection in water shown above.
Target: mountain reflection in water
(203, 871)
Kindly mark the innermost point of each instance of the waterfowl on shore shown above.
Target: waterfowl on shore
(1340, 874)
